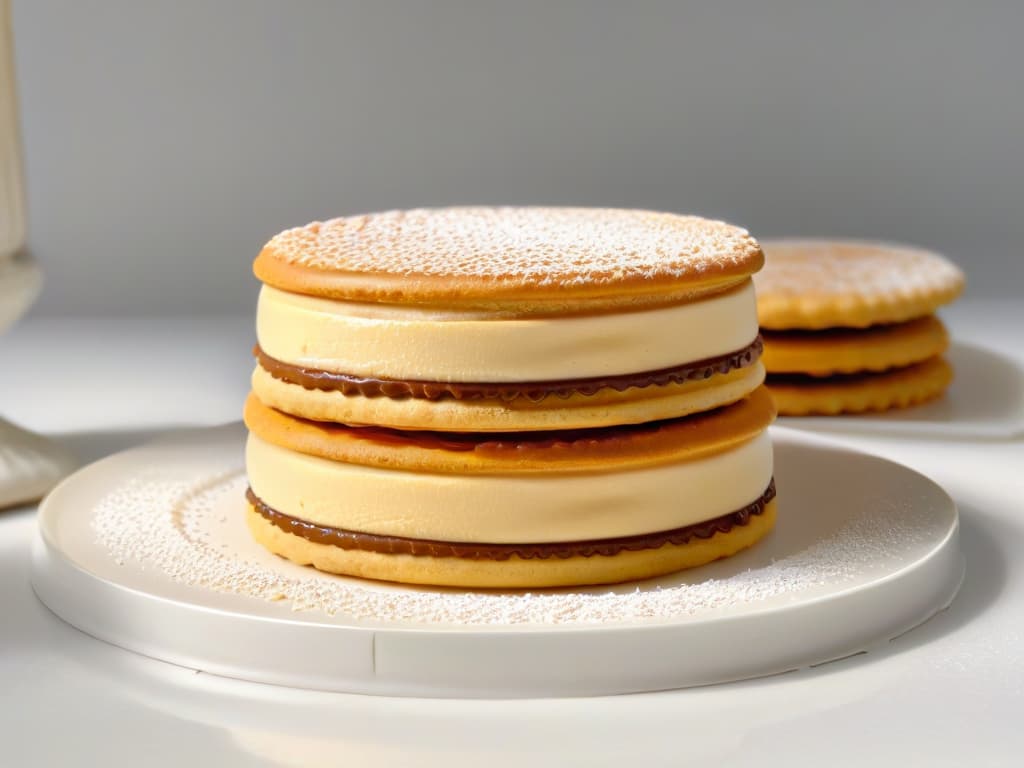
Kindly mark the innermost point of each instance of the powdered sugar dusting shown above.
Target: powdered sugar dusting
(192, 531)
(522, 246)
(795, 268)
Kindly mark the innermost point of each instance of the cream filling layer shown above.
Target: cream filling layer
(385, 341)
(508, 509)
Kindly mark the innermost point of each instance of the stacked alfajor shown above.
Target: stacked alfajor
(509, 397)
(850, 326)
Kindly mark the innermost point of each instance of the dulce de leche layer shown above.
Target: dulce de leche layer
(397, 545)
(593, 449)
(312, 378)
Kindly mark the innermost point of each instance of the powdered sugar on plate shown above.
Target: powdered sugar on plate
(193, 531)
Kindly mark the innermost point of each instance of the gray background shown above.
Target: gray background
(166, 141)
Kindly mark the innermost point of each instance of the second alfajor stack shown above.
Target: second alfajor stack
(849, 326)
(509, 397)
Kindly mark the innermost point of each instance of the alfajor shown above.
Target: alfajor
(848, 326)
(509, 397)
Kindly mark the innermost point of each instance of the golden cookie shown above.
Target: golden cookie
(845, 350)
(650, 444)
(856, 393)
(523, 259)
(515, 572)
(578, 410)
(814, 284)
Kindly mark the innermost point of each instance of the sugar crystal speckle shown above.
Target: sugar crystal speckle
(157, 522)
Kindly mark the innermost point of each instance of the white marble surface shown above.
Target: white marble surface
(947, 693)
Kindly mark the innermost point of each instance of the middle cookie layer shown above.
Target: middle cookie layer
(611, 484)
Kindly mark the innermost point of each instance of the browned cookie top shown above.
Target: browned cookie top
(521, 258)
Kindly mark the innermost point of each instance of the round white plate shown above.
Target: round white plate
(985, 400)
(148, 550)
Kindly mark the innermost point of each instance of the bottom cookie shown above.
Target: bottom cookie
(797, 395)
(513, 572)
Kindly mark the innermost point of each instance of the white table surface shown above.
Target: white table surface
(948, 693)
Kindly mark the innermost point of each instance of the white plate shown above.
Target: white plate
(148, 550)
(985, 400)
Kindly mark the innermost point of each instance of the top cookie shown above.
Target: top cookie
(520, 258)
(814, 284)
